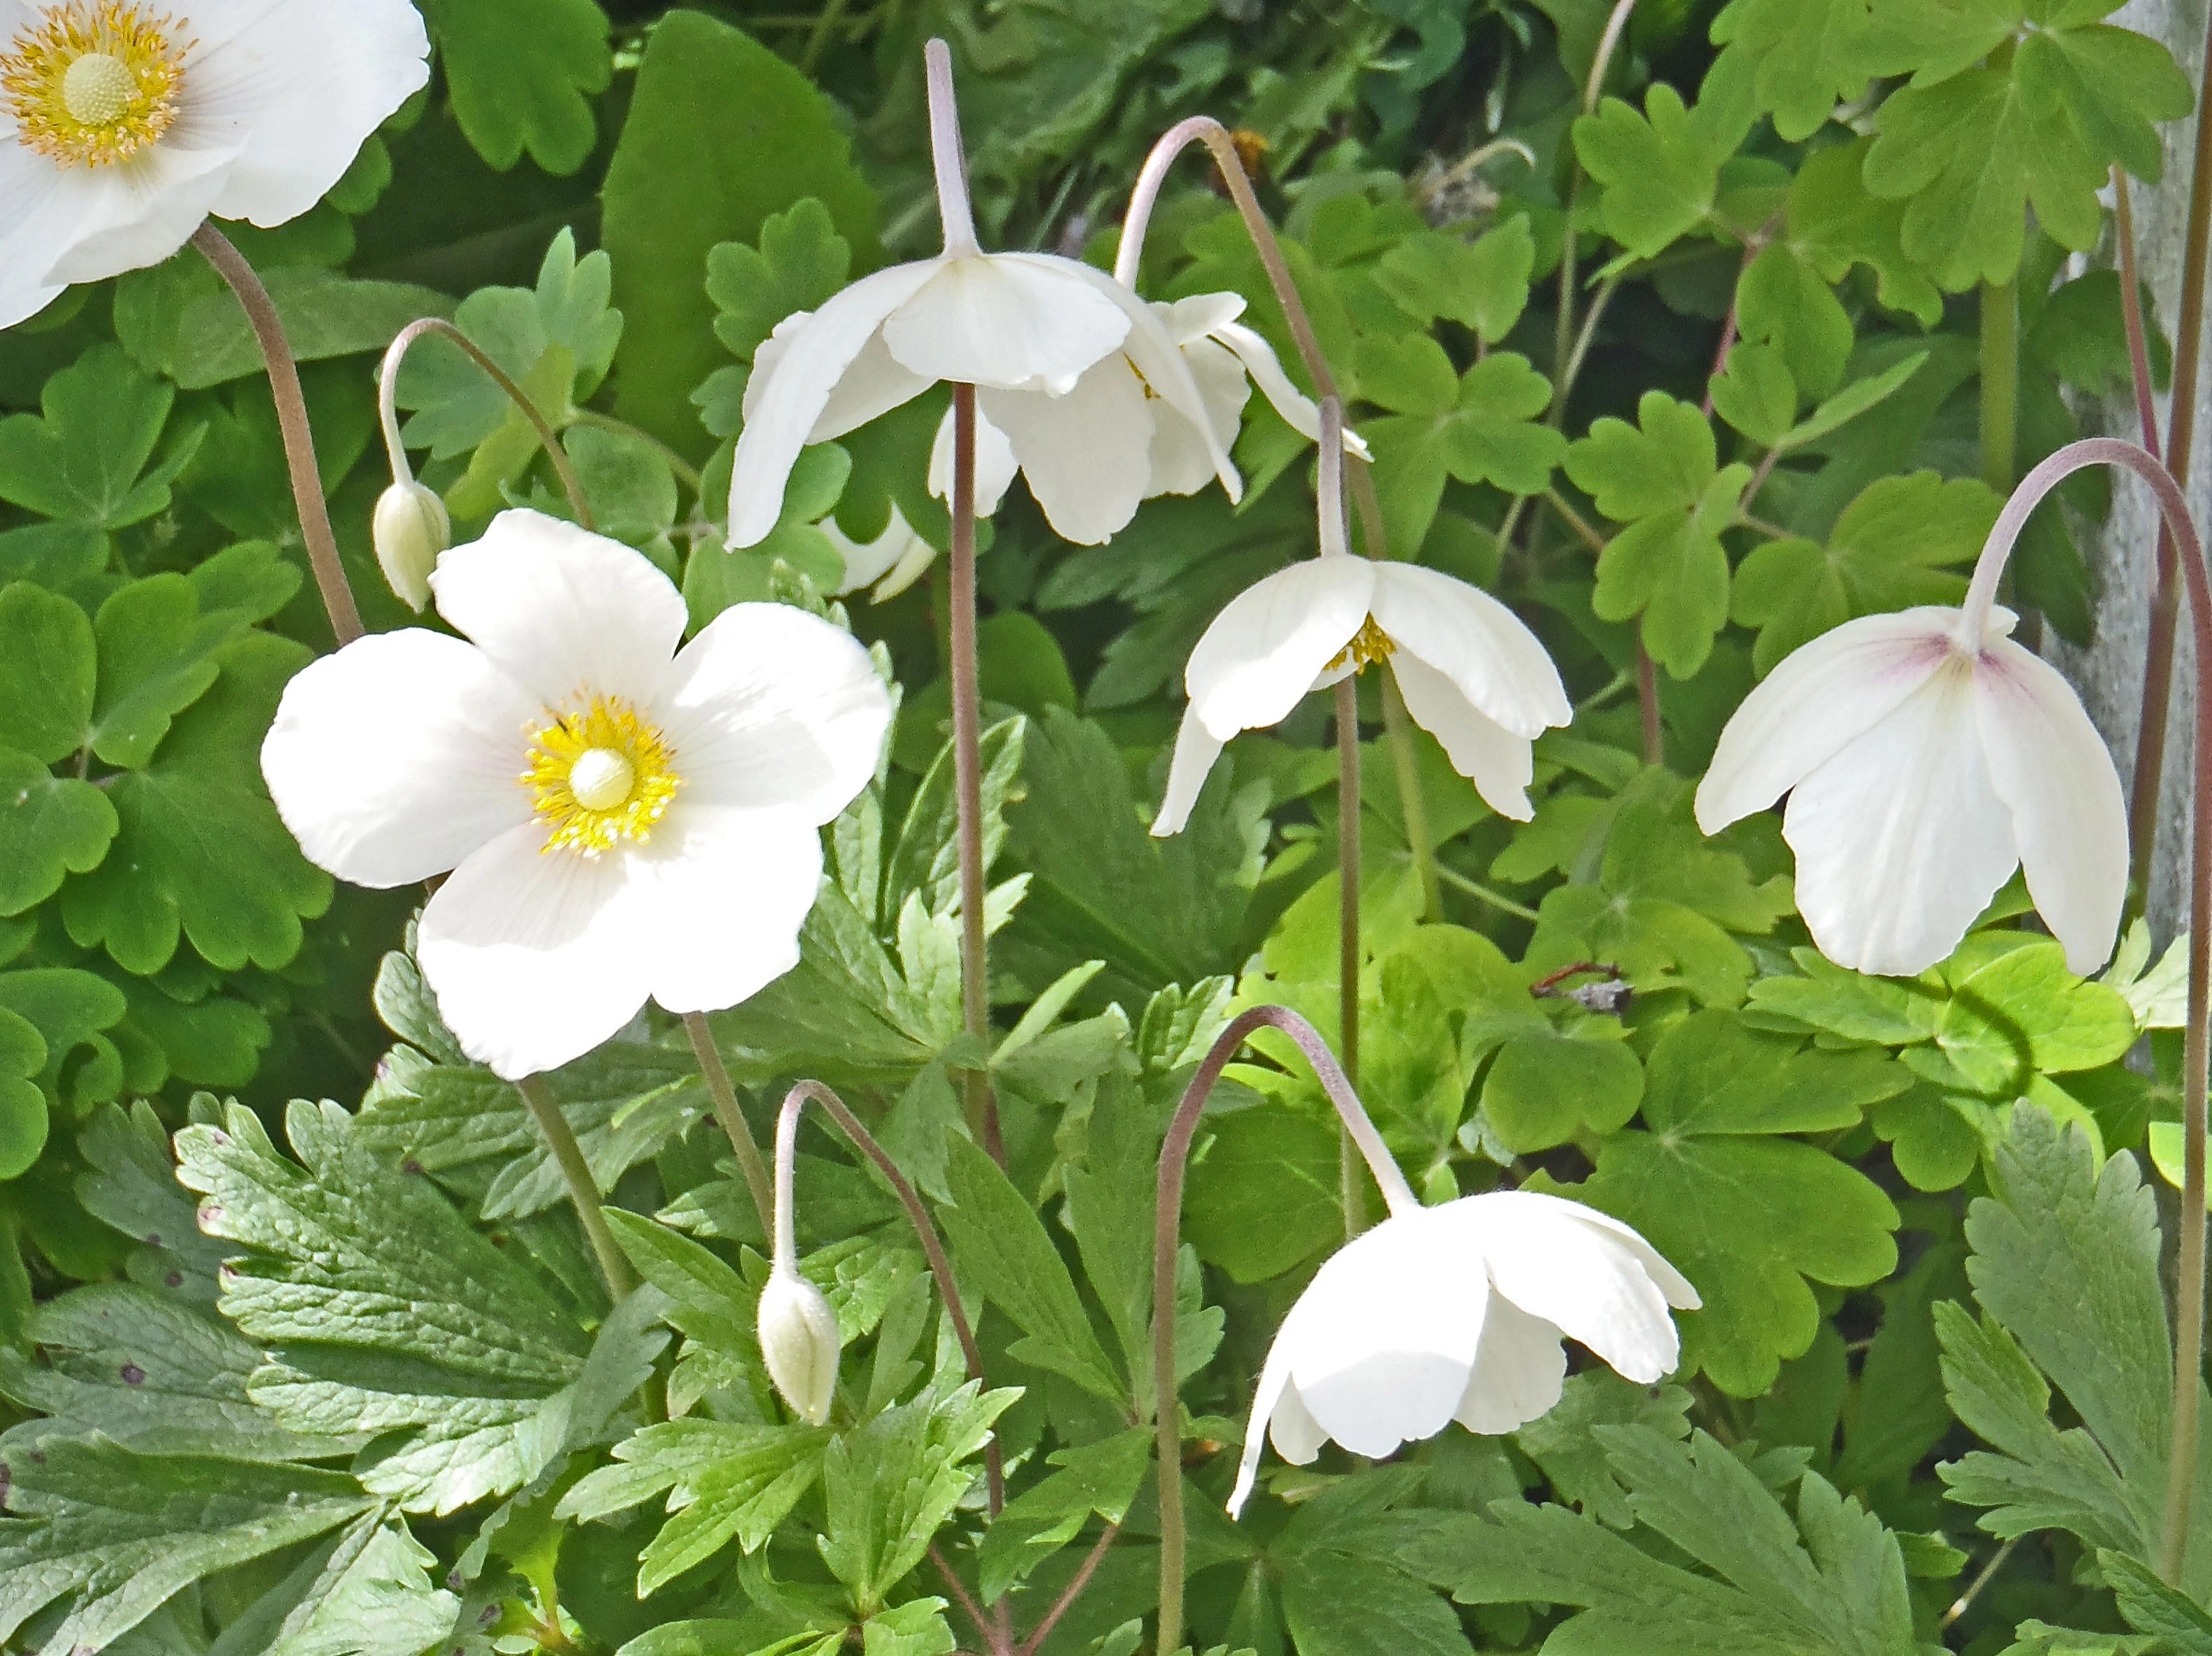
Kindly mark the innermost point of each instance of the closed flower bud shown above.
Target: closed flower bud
(798, 1340)
(410, 528)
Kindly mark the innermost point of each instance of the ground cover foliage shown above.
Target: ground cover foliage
(302, 1348)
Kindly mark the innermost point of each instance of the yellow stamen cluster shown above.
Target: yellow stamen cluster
(92, 82)
(1369, 644)
(601, 777)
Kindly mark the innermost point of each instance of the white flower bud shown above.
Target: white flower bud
(410, 528)
(798, 1340)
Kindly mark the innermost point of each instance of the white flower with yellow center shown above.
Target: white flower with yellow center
(1471, 673)
(623, 820)
(1457, 1313)
(129, 123)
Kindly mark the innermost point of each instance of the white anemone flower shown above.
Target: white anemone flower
(1153, 446)
(1049, 343)
(1457, 1313)
(622, 819)
(1471, 672)
(1927, 755)
(130, 123)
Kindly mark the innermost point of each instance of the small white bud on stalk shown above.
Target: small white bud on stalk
(798, 1340)
(410, 528)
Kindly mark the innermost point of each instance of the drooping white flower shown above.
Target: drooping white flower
(1457, 1313)
(1028, 330)
(622, 819)
(1471, 673)
(132, 121)
(1927, 755)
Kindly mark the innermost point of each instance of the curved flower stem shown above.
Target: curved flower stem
(2189, 1321)
(292, 421)
(732, 1117)
(1205, 129)
(387, 408)
(786, 1131)
(583, 1189)
(1167, 1242)
(2180, 443)
(947, 155)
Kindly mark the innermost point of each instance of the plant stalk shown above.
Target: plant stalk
(583, 1189)
(732, 1117)
(1167, 1244)
(982, 1109)
(1396, 726)
(1347, 951)
(1647, 701)
(292, 421)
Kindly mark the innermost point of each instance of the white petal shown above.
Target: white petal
(1195, 750)
(1475, 641)
(31, 215)
(1575, 1276)
(873, 386)
(1673, 1284)
(770, 707)
(1520, 1370)
(1018, 322)
(1823, 696)
(905, 573)
(1274, 1382)
(1189, 320)
(563, 611)
(727, 892)
(394, 759)
(1500, 764)
(1292, 1430)
(1299, 410)
(867, 561)
(101, 221)
(1901, 839)
(299, 86)
(2069, 817)
(784, 401)
(536, 957)
(1181, 458)
(1084, 454)
(995, 464)
(1272, 640)
(1160, 360)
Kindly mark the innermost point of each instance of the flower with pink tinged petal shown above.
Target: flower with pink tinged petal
(1926, 756)
(1458, 1313)
(623, 820)
(129, 122)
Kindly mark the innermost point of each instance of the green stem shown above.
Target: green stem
(1347, 960)
(732, 1117)
(1499, 899)
(583, 1189)
(1398, 729)
(2000, 384)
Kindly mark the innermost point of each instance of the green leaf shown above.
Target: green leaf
(723, 1481)
(1755, 394)
(22, 1103)
(365, 1591)
(1660, 477)
(1563, 1442)
(1482, 284)
(1745, 1212)
(200, 852)
(464, 1381)
(1660, 169)
(2151, 1606)
(1805, 56)
(1836, 223)
(1894, 548)
(2024, 1014)
(50, 827)
(1971, 151)
(47, 669)
(131, 1186)
(891, 1484)
(158, 655)
(1483, 430)
(2080, 336)
(800, 262)
(1543, 1089)
(1003, 1248)
(84, 459)
(521, 73)
(1782, 301)
(707, 92)
(114, 1533)
(1832, 1583)
(325, 314)
(1101, 1477)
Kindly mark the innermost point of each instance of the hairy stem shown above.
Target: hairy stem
(731, 1117)
(387, 408)
(982, 1109)
(917, 1215)
(292, 421)
(1071, 1591)
(1167, 1244)
(583, 1189)
(1647, 702)
(1347, 954)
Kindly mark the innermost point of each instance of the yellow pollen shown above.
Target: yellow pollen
(1369, 644)
(601, 777)
(92, 82)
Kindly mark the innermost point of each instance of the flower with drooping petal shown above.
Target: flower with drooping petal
(1926, 756)
(1145, 445)
(1029, 331)
(1471, 673)
(623, 820)
(131, 121)
(1457, 1313)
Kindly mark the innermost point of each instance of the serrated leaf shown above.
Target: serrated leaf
(365, 1593)
(1563, 1444)
(1805, 56)
(324, 315)
(1482, 429)
(1101, 1477)
(1661, 168)
(800, 262)
(1836, 223)
(1482, 284)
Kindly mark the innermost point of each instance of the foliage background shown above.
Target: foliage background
(1898, 1389)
